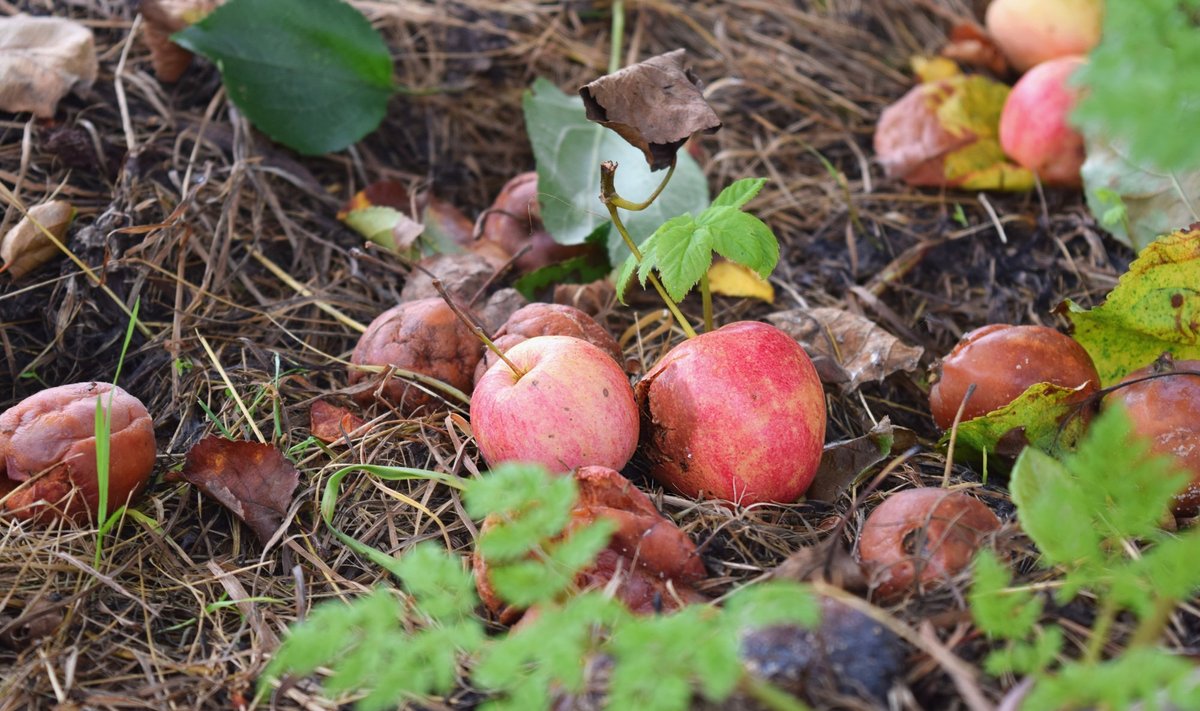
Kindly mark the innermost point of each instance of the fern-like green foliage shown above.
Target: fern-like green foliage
(1143, 81)
(390, 646)
(1087, 514)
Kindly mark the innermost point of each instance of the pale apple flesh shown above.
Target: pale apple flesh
(737, 414)
(570, 406)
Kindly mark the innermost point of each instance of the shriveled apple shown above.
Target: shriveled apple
(736, 414)
(50, 438)
(514, 222)
(1030, 32)
(567, 405)
(1034, 126)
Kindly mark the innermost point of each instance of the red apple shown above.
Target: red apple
(570, 406)
(1034, 130)
(735, 414)
(1030, 32)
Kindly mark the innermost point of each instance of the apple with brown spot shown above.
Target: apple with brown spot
(567, 404)
(736, 414)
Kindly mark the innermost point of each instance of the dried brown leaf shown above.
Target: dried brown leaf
(254, 481)
(656, 105)
(41, 59)
(25, 247)
(330, 423)
(855, 343)
(828, 561)
(164, 18)
(970, 44)
(843, 462)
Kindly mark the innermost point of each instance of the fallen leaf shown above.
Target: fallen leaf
(855, 343)
(970, 44)
(330, 423)
(843, 463)
(1136, 203)
(656, 105)
(1045, 416)
(930, 69)
(1155, 308)
(163, 18)
(828, 561)
(386, 213)
(593, 299)
(41, 618)
(41, 59)
(733, 279)
(25, 247)
(946, 133)
(254, 481)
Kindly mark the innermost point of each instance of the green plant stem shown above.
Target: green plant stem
(771, 696)
(706, 299)
(612, 200)
(103, 433)
(618, 36)
(1151, 627)
(1104, 621)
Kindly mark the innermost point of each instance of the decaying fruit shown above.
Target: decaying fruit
(422, 336)
(1166, 411)
(656, 563)
(1030, 32)
(1034, 126)
(514, 221)
(569, 406)
(921, 537)
(50, 437)
(542, 319)
(736, 414)
(1002, 361)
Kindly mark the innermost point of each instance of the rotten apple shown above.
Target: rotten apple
(1002, 361)
(514, 221)
(736, 414)
(567, 405)
(1034, 126)
(50, 438)
(1165, 410)
(918, 538)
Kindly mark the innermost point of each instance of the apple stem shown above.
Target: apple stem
(706, 299)
(476, 329)
(612, 200)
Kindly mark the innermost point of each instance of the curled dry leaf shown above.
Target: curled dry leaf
(970, 44)
(164, 18)
(41, 59)
(40, 618)
(655, 564)
(254, 481)
(857, 345)
(593, 298)
(25, 247)
(828, 561)
(842, 463)
(330, 423)
(656, 105)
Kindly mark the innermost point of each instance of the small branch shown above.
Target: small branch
(617, 36)
(706, 299)
(477, 329)
(608, 188)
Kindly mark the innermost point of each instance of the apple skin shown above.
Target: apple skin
(1034, 127)
(1003, 361)
(515, 220)
(573, 407)
(736, 414)
(1166, 411)
(1031, 32)
(919, 537)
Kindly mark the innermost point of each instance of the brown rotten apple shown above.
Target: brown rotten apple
(920, 537)
(1002, 361)
(567, 405)
(736, 414)
(1166, 411)
(514, 222)
(50, 437)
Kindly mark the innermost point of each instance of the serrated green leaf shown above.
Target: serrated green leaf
(536, 507)
(738, 193)
(1001, 611)
(314, 76)
(1052, 510)
(1155, 307)
(743, 238)
(569, 150)
(1147, 57)
(676, 646)
(437, 579)
(1041, 413)
(675, 229)
(682, 254)
(770, 603)
(628, 268)
(1170, 568)
(1146, 675)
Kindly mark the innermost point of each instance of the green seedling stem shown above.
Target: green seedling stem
(613, 200)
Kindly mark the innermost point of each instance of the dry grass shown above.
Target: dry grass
(177, 194)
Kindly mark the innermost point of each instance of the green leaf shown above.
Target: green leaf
(682, 254)
(743, 238)
(375, 223)
(1040, 412)
(1170, 569)
(1026, 657)
(1050, 503)
(569, 150)
(576, 270)
(624, 276)
(314, 75)
(738, 193)
(1147, 675)
(1147, 58)
(535, 504)
(1000, 611)
(770, 603)
(1155, 307)
(437, 579)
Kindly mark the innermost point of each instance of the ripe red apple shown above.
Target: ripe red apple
(1002, 361)
(920, 537)
(1034, 130)
(1166, 411)
(1030, 32)
(570, 406)
(735, 414)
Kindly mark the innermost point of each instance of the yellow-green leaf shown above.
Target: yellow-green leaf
(1039, 418)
